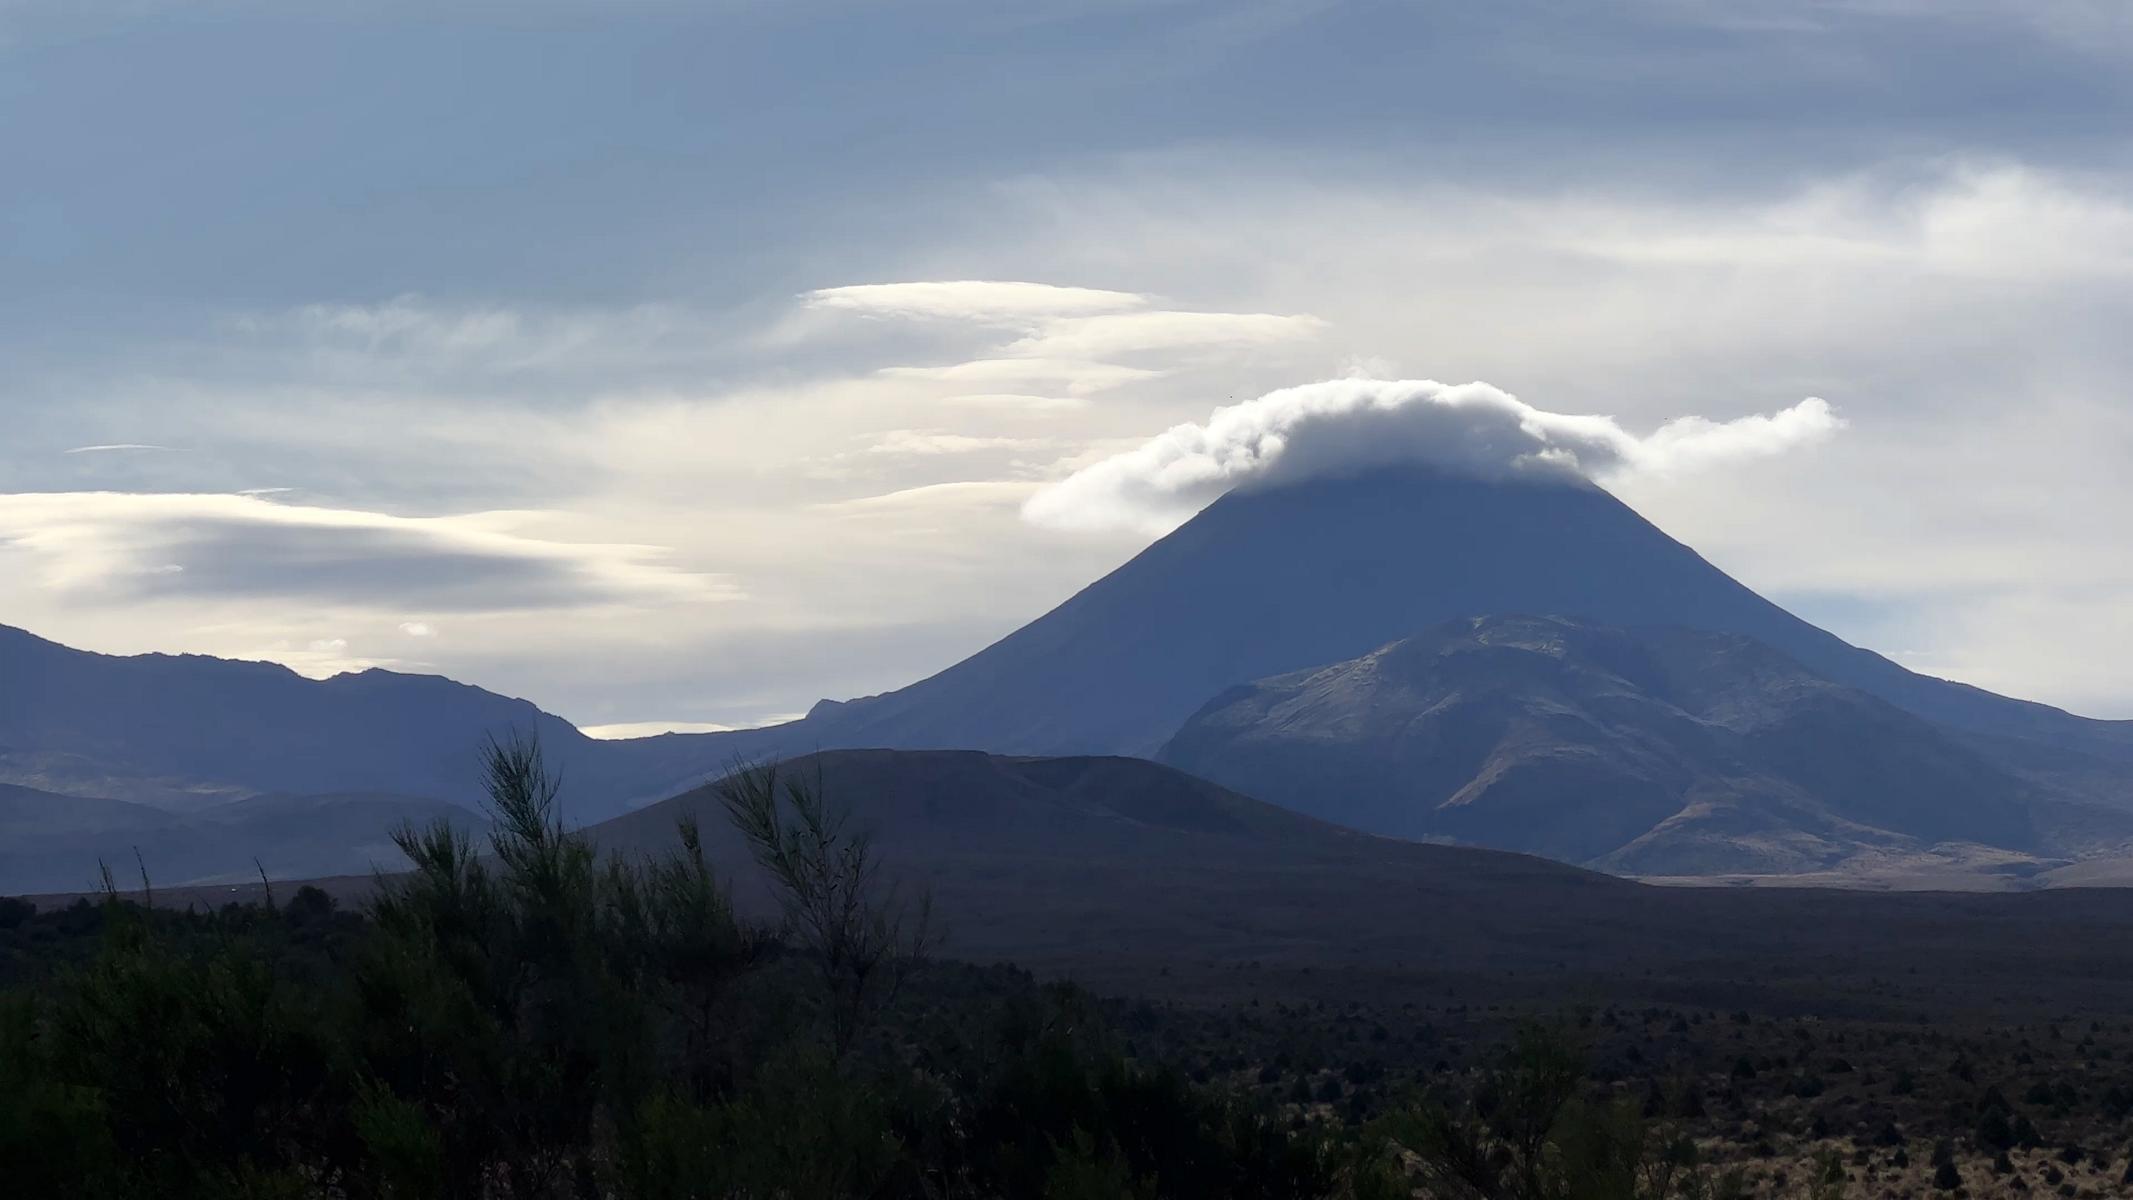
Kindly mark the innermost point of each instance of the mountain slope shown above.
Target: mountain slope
(1658, 751)
(185, 731)
(56, 843)
(1032, 861)
(921, 805)
(1277, 580)
(28, 812)
(1110, 860)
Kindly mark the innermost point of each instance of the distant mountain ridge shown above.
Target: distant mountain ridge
(57, 843)
(1653, 751)
(190, 732)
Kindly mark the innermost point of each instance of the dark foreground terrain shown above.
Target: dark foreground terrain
(1294, 1011)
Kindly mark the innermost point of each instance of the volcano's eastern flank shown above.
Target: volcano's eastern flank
(1650, 751)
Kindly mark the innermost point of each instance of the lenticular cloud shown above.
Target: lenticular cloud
(1347, 425)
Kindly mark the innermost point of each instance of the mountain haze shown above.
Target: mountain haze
(59, 843)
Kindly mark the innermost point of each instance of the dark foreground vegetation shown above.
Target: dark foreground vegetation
(528, 1020)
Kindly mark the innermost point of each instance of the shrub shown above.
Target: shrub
(1533, 1132)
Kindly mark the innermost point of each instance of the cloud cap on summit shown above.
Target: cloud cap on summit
(1342, 426)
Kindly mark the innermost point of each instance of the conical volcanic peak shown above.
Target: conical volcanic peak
(1277, 579)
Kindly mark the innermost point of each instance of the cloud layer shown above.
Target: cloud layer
(1012, 301)
(649, 348)
(1347, 425)
(115, 546)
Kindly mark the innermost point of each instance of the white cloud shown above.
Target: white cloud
(417, 629)
(1138, 333)
(977, 300)
(641, 729)
(1978, 220)
(117, 447)
(1069, 338)
(980, 493)
(412, 335)
(319, 658)
(940, 441)
(2006, 221)
(1079, 377)
(404, 322)
(1017, 400)
(1346, 425)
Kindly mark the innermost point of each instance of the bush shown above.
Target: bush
(1994, 1131)
(54, 1136)
(536, 1022)
(1534, 1132)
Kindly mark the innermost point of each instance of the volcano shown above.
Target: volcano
(1270, 581)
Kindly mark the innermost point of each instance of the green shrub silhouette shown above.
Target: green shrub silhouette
(1535, 1130)
(527, 1019)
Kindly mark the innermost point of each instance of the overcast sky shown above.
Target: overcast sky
(681, 364)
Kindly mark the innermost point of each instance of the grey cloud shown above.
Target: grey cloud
(116, 548)
(355, 566)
